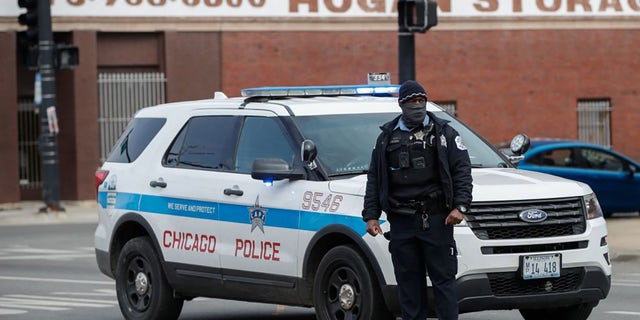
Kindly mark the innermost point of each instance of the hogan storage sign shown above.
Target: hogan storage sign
(329, 8)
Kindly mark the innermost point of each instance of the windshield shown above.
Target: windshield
(344, 142)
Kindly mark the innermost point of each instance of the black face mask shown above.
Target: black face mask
(413, 114)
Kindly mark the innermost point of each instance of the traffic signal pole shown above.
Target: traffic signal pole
(413, 16)
(406, 51)
(48, 144)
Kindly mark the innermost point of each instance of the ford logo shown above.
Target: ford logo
(532, 215)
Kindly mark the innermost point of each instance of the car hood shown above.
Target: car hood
(494, 184)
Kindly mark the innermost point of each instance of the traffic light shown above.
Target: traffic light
(66, 57)
(30, 19)
(418, 15)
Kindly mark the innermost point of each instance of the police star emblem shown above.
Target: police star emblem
(257, 215)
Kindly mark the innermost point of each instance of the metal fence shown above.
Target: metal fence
(594, 121)
(28, 132)
(121, 96)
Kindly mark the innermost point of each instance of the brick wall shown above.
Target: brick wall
(504, 81)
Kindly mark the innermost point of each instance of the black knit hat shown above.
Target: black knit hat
(409, 90)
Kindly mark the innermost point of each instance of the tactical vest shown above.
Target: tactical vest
(413, 165)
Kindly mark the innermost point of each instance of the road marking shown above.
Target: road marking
(49, 257)
(110, 283)
(97, 292)
(24, 296)
(36, 250)
(620, 284)
(628, 313)
(12, 305)
(10, 311)
(20, 302)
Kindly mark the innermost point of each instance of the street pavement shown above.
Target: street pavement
(623, 238)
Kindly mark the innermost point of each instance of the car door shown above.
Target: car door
(261, 220)
(183, 195)
(607, 175)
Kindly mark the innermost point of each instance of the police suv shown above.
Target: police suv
(259, 198)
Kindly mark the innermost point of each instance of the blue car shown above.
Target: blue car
(614, 177)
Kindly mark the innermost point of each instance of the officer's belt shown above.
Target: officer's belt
(432, 198)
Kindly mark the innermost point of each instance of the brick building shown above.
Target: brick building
(504, 67)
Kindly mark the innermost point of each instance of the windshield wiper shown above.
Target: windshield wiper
(477, 165)
(350, 173)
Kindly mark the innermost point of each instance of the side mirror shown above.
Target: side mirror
(632, 170)
(308, 153)
(273, 169)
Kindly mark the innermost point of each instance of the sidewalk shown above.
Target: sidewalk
(27, 212)
(623, 238)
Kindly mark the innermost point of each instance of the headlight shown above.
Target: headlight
(593, 206)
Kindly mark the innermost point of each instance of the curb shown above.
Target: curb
(625, 257)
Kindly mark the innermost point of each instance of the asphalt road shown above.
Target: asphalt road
(48, 271)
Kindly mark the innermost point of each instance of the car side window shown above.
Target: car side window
(135, 138)
(555, 158)
(597, 159)
(262, 137)
(204, 143)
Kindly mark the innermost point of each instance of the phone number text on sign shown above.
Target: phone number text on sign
(190, 3)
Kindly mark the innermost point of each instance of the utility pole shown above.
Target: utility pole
(38, 20)
(413, 16)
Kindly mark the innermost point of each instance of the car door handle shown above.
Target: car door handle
(160, 184)
(233, 192)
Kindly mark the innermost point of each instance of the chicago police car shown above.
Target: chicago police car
(259, 198)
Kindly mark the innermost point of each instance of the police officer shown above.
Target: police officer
(420, 175)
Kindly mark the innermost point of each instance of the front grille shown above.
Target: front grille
(499, 220)
(511, 283)
(563, 246)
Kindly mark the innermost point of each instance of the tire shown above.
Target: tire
(343, 271)
(141, 286)
(576, 312)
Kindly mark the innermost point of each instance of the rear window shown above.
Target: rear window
(135, 139)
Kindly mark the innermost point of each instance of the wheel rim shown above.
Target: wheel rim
(139, 285)
(343, 294)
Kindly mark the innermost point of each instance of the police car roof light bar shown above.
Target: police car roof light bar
(312, 91)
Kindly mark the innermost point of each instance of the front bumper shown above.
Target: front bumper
(509, 291)
(506, 290)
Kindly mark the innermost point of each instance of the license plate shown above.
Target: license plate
(541, 266)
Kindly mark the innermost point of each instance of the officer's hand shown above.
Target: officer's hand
(373, 227)
(454, 217)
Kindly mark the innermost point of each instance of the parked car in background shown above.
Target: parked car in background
(615, 178)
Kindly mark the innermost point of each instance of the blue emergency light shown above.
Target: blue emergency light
(312, 91)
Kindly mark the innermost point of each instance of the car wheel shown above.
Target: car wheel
(576, 312)
(345, 288)
(141, 286)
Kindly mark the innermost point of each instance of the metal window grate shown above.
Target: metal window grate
(121, 96)
(449, 106)
(28, 131)
(594, 121)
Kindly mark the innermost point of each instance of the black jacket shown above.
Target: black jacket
(454, 164)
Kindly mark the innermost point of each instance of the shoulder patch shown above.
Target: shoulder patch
(460, 144)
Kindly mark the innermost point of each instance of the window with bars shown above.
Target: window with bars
(594, 121)
(28, 132)
(449, 106)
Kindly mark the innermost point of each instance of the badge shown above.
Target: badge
(460, 144)
(443, 141)
(257, 215)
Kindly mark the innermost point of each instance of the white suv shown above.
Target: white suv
(259, 198)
